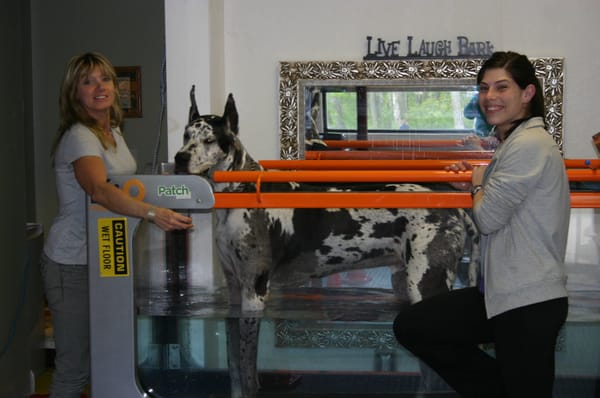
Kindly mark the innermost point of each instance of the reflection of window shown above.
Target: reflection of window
(388, 110)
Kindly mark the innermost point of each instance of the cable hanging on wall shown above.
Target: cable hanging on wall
(163, 105)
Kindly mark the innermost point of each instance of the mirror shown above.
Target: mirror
(391, 100)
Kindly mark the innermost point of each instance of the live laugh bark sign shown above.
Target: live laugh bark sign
(462, 47)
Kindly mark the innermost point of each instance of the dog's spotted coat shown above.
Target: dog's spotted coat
(287, 246)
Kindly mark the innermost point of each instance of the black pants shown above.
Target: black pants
(446, 331)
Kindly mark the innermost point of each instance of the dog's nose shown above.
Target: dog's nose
(181, 162)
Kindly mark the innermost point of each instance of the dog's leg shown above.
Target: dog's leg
(242, 340)
(232, 332)
(247, 272)
(399, 279)
(249, 329)
(242, 347)
(475, 255)
(233, 357)
(474, 264)
(427, 277)
(432, 264)
(435, 254)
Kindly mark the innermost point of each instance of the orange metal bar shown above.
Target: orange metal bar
(369, 200)
(394, 143)
(361, 164)
(342, 176)
(370, 176)
(432, 164)
(343, 199)
(582, 163)
(585, 200)
(408, 155)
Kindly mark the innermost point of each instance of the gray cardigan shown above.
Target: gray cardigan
(523, 217)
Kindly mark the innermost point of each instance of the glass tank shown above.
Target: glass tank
(327, 336)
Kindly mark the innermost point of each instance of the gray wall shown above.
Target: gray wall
(129, 33)
(37, 37)
(15, 322)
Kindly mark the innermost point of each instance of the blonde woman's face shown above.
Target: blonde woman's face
(96, 93)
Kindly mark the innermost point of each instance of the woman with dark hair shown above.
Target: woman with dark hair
(521, 205)
(89, 147)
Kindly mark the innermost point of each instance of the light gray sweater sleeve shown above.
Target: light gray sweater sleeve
(508, 182)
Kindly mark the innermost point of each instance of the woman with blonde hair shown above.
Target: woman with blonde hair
(89, 147)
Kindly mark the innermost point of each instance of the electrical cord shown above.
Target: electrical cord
(163, 104)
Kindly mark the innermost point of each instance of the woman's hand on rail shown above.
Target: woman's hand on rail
(475, 142)
(476, 176)
(458, 167)
(472, 142)
(169, 220)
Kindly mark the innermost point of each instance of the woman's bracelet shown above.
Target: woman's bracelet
(475, 189)
(151, 214)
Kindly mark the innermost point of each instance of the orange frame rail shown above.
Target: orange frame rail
(368, 200)
(345, 176)
(374, 171)
(343, 199)
(354, 144)
(411, 154)
(420, 164)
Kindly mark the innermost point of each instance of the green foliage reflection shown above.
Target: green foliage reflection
(399, 110)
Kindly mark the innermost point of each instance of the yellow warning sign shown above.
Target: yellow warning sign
(113, 247)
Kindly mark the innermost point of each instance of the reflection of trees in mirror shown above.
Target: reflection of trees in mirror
(340, 111)
(398, 110)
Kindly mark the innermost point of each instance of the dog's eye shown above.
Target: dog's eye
(209, 140)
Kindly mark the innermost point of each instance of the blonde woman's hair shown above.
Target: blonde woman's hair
(71, 110)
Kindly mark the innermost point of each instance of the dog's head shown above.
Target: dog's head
(208, 139)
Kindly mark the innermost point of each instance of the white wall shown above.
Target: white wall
(186, 50)
(247, 40)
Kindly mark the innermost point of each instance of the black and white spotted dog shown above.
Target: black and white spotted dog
(259, 247)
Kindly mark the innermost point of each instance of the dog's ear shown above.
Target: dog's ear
(194, 114)
(231, 114)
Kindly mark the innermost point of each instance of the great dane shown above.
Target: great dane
(260, 247)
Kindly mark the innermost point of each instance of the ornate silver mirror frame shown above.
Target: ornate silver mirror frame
(294, 75)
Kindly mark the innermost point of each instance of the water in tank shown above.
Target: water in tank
(326, 336)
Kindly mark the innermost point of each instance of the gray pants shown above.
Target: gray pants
(67, 292)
